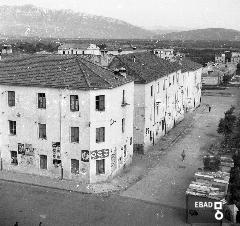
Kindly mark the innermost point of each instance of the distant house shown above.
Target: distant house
(235, 58)
(6, 49)
(79, 49)
(220, 58)
(166, 54)
(212, 77)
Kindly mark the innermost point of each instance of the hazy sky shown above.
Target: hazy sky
(148, 13)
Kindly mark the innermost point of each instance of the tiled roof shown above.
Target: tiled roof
(146, 68)
(188, 65)
(58, 71)
(74, 46)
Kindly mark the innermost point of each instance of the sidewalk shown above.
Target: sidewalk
(140, 166)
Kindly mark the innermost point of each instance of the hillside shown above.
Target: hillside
(209, 34)
(32, 21)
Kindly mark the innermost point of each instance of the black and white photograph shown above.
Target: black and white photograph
(120, 113)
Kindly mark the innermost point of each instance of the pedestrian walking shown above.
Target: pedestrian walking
(16, 224)
(183, 155)
(209, 108)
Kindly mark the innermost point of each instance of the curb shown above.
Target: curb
(45, 186)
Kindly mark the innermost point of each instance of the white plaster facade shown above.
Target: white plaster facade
(92, 49)
(59, 120)
(166, 54)
(157, 111)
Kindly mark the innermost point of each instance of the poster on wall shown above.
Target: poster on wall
(56, 150)
(114, 160)
(120, 162)
(85, 156)
(99, 154)
(29, 150)
(83, 168)
(21, 149)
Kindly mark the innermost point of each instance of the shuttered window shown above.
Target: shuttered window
(100, 166)
(74, 166)
(12, 127)
(75, 134)
(43, 162)
(100, 103)
(42, 131)
(42, 100)
(74, 103)
(11, 98)
(100, 134)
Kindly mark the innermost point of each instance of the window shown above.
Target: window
(123, 97)
(41, 100)
(12, 127)
(42, 131)
(74, 166)
(100, 166)
(11, 98)
(151, 91)
(123, 125)
(14, 160)
(100, 103)
(100, 134)
(43, 162)
(74, 103)
(75, 134)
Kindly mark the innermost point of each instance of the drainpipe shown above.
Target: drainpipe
(1, 162)
(60, 132)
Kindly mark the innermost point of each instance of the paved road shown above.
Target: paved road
(167, 182)
(30, 205)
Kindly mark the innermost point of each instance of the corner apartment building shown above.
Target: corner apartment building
(63, 116)
(161, 94)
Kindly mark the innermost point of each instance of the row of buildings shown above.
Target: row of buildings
(231, 57)
(65, 116)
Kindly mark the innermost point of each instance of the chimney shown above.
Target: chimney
(122, 72)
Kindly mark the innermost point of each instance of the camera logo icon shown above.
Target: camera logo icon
(219, 214)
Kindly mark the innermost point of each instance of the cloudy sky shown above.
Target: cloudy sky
(151, 13)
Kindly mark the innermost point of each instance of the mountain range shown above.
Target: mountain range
(31, 21)
(28, 20)
(208, 34)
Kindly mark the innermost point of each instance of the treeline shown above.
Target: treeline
(229, 127)
(33, 47)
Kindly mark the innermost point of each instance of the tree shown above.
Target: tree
(226, 124)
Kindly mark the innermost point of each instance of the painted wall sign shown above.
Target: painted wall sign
(85, 156)
(99, 154)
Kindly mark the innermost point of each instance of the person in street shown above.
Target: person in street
(209, 108)
(183, 155)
